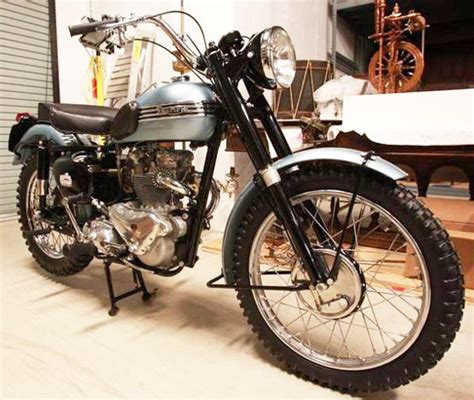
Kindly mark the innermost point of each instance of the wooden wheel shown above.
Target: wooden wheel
(401, 75)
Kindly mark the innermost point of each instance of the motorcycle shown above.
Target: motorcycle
(340, 270)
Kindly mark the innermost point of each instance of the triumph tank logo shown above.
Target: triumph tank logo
(65, 180)
(174, 110)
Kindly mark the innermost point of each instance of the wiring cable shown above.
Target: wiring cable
(174, 55)
(188, 15)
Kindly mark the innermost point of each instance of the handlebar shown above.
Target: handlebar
(119, 23)
(88, 27)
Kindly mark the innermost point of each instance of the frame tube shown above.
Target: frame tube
(204, 190)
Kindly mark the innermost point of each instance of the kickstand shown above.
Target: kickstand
(138, 281)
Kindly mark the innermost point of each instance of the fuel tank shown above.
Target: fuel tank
(178, 111)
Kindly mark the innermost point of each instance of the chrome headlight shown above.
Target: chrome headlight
(277, 59)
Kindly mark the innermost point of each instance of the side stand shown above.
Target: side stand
(138, 281)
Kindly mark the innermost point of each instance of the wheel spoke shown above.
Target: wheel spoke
(378, 263)
(346, 334)
(324, 325)
(359, 221)
(395, 294)
(391, 304)
(308, 321)
(388, 334)
(302, 318)
(53, 242)
(376, 322)
(330, 338)
(324, 228)
(392, 297)
(368, 331)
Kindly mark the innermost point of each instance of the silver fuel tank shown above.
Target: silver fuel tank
(178, 111)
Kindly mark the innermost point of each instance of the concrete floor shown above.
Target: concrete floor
(57, 340)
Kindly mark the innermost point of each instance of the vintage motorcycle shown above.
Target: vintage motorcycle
(342, 273)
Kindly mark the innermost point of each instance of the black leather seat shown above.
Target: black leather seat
(92, 120)
(77, 118)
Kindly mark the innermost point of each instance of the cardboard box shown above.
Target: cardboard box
(457, 216)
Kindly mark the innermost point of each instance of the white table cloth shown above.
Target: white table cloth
(423, 118)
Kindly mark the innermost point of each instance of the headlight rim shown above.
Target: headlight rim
(266, 58)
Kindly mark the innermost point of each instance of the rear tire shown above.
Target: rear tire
(51, 260)
(445, 282)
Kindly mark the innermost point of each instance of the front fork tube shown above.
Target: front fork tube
(279, 143)
(313, 262)
(42, 174)
(282, 149)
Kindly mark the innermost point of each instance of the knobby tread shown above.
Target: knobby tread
(59, 267)
(444, 266)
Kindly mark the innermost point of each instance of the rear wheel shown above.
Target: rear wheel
(46, 248)
(398, 299)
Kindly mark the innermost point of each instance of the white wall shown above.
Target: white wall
(73, 59)
(307, 22)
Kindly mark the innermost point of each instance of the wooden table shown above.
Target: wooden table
(423, 160)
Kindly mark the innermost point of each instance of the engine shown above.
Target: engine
(157, 175)
(149, 233)
(156, 179)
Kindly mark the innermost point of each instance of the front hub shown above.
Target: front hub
(338, 299)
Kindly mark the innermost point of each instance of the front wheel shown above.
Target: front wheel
(396, 304)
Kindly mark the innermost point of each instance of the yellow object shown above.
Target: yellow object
(96, 66)
(96, 76)
(99, 77)
(137, 50)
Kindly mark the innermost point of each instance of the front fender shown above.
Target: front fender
(36, 133)
(251, 191)
(350, 156)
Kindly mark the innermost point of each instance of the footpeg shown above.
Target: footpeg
(38, 232)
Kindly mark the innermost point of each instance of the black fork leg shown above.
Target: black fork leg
(312, 261)
(282, 149)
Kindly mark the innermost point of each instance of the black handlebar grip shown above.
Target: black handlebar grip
(82, 29)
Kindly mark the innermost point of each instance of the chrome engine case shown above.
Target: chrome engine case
(150, 233)
(105, 237)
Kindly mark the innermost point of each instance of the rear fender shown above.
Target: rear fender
(37, 133)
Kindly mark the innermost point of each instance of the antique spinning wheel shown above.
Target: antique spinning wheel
(398, 73)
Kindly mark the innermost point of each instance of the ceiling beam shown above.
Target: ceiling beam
(343, 4)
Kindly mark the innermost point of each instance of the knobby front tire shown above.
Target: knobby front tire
(423, 307)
